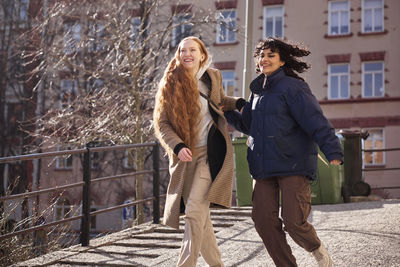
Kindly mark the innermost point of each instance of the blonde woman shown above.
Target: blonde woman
(190, 124)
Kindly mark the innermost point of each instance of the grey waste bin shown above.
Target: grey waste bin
(353, 183)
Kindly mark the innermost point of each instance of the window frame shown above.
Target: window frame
(65, 159)
(72, 31)
(62, 205)
(94, 85)
(126, 160)
(340, 75)
(18, 10)
(373, 147)
(363, 73)
(363, 17)
(95, 160)
(97, 31)
(93, 218)
(23, 11)
(226, 81)
(13, 118)
(340, 14)
(134, 31)
(14, 92)
(222, 22)
(178, 23)
(274, 21)
(72, 91)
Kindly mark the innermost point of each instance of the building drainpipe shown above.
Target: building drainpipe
(39, 112)
(247, 48)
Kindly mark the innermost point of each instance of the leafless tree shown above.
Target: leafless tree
(16, 96)
(98, 66)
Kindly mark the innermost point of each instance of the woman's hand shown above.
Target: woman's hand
(185, 154)
(336, 162)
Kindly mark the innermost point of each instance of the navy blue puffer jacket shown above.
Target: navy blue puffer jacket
(285, 124)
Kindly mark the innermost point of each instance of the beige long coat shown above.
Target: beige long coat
(221, 189)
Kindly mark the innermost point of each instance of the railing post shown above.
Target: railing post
(85, 221)
(156, 183)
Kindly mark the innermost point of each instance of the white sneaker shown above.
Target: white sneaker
(322, 256)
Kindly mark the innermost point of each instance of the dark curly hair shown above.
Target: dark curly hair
(288, 53)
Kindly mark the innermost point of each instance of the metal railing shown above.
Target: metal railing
(86, 184)
(383, 168)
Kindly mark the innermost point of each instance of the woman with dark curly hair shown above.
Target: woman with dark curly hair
(190, 124)
(285, 125)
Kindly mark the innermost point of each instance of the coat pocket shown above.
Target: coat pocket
(290, 146)
(205, 171)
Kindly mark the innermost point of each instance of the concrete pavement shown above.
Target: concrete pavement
(356, 234)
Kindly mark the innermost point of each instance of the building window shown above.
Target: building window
(181, 28)
(93, 218)
(69, 90)
(95, 157)
(134, 31)
(16, 9)
(273, 21)
(72, 37)
(338, 81)
(226, 26)
(62, 209)
(14, 175)
(23, 10)
(228, 81)
(375, 140)
(97, 33)
(128, 214)
(373, 79)
(65, 161)
(339, 17)
(14, 117)
(95, 160)
(129, 160)
(372, 16)
(14, 92)
(94, 85)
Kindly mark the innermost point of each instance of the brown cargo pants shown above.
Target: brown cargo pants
(296, 206)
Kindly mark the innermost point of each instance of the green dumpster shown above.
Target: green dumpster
(328, 188)
(244, 182)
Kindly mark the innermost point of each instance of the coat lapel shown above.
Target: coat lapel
(215, 96)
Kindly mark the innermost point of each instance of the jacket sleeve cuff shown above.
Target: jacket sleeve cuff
(178, 148)
(240, 103)
(336, 156)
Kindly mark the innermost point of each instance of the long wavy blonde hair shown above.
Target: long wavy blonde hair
(178, 96)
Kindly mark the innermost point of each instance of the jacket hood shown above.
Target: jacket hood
(203, 69)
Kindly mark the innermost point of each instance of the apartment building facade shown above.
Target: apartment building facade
(354, 74)
(354, 59)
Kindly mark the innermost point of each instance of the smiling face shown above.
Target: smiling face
(190, 55)
(269, 61)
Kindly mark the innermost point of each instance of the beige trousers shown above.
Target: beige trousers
(199, 233)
